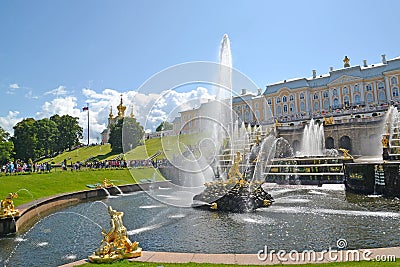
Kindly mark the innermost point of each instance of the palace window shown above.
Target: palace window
(345, 90)
(326, 104)
(381, 86)
(278, 100)
(393, 81)
(368, 87)
(301, 96)
(291, 97)
(334, 92)
(315, 96)
(347, 101)
(284, 99)
(382, 96)
(279, 110)
(357, 99)
(316, 106)
(285, 108)
(370, 98)
(302, 107)
(356, 88)
(326, 94)
(336, 103)
(269, 101)
(395, 92)
(291, 107)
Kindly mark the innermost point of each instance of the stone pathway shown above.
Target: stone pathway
(252, 259)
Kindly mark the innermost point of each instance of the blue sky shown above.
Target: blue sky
(51, 50)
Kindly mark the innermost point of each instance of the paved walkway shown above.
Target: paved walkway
(253, 259)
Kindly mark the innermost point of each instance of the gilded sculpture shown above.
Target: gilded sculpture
(115, 244)
(7, 208)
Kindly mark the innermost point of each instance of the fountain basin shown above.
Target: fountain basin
(29, 212)
(302, 217)
(373, 178)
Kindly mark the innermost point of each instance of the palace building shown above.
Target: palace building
(356, 88)
(105, 134)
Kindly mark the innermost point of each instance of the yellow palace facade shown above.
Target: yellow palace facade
(357, 88)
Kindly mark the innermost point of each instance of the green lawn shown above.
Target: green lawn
(169, 145)
(56, 182)
(81, 154)
(334, 264)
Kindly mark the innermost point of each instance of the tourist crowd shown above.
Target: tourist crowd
(19, 167)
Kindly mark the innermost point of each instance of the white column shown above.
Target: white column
(387, 86)
(320, 100)
(330, 97)
(307, 96)
(362, 93)
(374, 87)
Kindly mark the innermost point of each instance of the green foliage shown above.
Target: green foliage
(6, 147)
(164, 126)
(25, 139)
(69, 132)
(46, 133)
(125, 135)
(37, 139)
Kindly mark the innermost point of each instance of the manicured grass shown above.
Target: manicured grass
(47, 184)
(168, 144)
(83, 153)
(334, 264)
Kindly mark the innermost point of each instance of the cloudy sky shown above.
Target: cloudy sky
(56, 56)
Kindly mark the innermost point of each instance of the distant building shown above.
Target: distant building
(358, 87)
(105, 134)
(349, 87)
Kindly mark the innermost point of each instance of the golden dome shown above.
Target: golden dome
(121, 109)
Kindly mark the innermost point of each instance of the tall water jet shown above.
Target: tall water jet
(313, 142)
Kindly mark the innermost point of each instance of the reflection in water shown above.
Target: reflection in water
(302, 217)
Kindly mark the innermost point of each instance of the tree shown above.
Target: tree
(46, 134)
(125, 134)
(25, 139)
(164, 126)
(69, 132)
(6, 147)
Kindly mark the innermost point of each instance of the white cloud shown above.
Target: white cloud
(8, 122)
(149, 109)
(60, 90)
(14, 86)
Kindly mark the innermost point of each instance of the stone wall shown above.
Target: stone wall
(361, 138)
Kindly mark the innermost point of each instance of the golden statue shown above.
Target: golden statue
(214, 206)
(115, 244)
(329, 121)
(346, 154)
(7, 208)
(267, 202)
(234, 170)
(105, 184)
(385, 141)
(346, 62)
